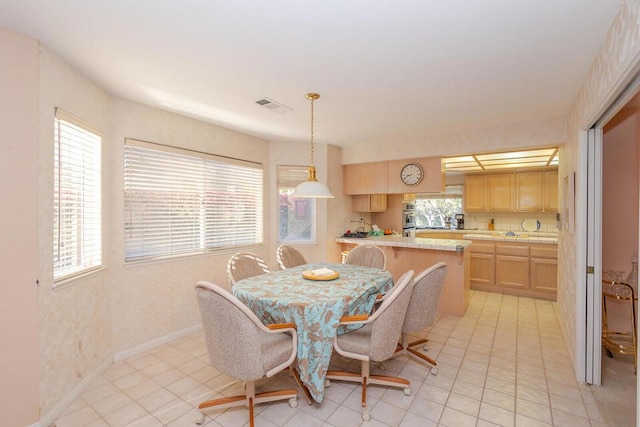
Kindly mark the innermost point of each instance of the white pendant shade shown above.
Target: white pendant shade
(313, 189)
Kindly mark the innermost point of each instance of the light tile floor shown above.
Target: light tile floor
(504, 363)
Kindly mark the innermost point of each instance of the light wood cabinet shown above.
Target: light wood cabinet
(500, 189)
(365, 178)
(529, 191)
(436, 235)
(551, 191)
(512, 266)
(521, 191)
(369, 203)
(432, 180)
(475, 193)
(515, 268)
(544, 268)
(482, 264)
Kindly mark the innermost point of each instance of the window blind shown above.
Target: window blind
(179, 201)
(77, 240)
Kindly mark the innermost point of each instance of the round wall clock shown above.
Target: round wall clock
(411, 174)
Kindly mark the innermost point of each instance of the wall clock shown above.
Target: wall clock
(411, 174)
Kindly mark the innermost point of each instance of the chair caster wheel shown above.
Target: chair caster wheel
(382, 367)
(609, 353)
(327, 383)
(200, 420)
(366, 416)
(293, 402)
(407, 391)
(434, 371)
(425, 348)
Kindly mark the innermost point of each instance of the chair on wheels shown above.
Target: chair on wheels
(245, 264)
(367, 256)
(288, 257)
(375, 341)
(422, 310)
(240, 346)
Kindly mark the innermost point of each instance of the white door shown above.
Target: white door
(591, 290)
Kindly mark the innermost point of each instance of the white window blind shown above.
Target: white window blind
(179, 201)
(77, 240)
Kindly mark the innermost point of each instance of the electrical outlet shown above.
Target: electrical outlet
(78, 346)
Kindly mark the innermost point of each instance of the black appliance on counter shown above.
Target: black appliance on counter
(460, 221)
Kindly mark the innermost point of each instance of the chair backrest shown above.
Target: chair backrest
(367, 256)
(387, 320)
(232, 333)
(288, 257)
(425, 297)
(245, 264)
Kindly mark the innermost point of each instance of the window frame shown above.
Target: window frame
(84, 164)
(296, 175)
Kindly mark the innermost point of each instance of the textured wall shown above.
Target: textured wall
(611, 65)
(79, 311)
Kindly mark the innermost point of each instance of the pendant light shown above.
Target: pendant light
(311, 187)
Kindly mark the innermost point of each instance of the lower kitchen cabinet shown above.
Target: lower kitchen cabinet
(544, 269)
(482, 260)
(514, 268)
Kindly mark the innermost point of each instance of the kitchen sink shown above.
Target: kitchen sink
(510, 234)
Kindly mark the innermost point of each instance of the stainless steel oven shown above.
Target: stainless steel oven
(408, 216)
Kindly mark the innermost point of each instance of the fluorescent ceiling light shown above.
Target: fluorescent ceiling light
(505, 160)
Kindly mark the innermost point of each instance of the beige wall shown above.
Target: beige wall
(80, 310)
(18, 230)
(612, 65)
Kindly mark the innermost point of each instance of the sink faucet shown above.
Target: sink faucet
(363, 222)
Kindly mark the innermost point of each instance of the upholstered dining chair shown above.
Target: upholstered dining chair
(422, 310)
(375, 341)
(368, 256)
(288, 257)
(240, 346)
(245, 264)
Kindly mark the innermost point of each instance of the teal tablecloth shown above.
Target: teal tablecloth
(315, 307)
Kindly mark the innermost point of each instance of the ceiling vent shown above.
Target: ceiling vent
(272, 105)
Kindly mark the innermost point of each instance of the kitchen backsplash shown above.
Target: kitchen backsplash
(510, 221)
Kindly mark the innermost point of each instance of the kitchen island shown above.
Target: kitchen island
(406, 253)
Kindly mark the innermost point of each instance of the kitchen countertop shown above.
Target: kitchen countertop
(521, 236)
(409, 242)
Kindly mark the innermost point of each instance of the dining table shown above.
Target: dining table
(315, 306)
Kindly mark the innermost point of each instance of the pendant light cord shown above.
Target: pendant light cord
(312, 116)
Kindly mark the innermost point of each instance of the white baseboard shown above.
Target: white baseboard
(146, 346)
(50, 417)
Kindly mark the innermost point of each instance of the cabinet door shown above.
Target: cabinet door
(512, 271)
(544, 274)
(551, 191)
(501, 192)
(482, 268)
(378, 202)
(369, 203)
(365, 178)
(475, 199)
(529, 192)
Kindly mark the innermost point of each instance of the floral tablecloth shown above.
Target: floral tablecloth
(315, 307)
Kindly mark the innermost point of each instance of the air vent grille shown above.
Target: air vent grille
(272, 105)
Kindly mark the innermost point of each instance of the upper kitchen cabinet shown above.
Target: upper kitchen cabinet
(424, 175)
(369, 203)
(365, 178)
(475, 193)
(500, 190)
(529, 191)
(551, 191)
